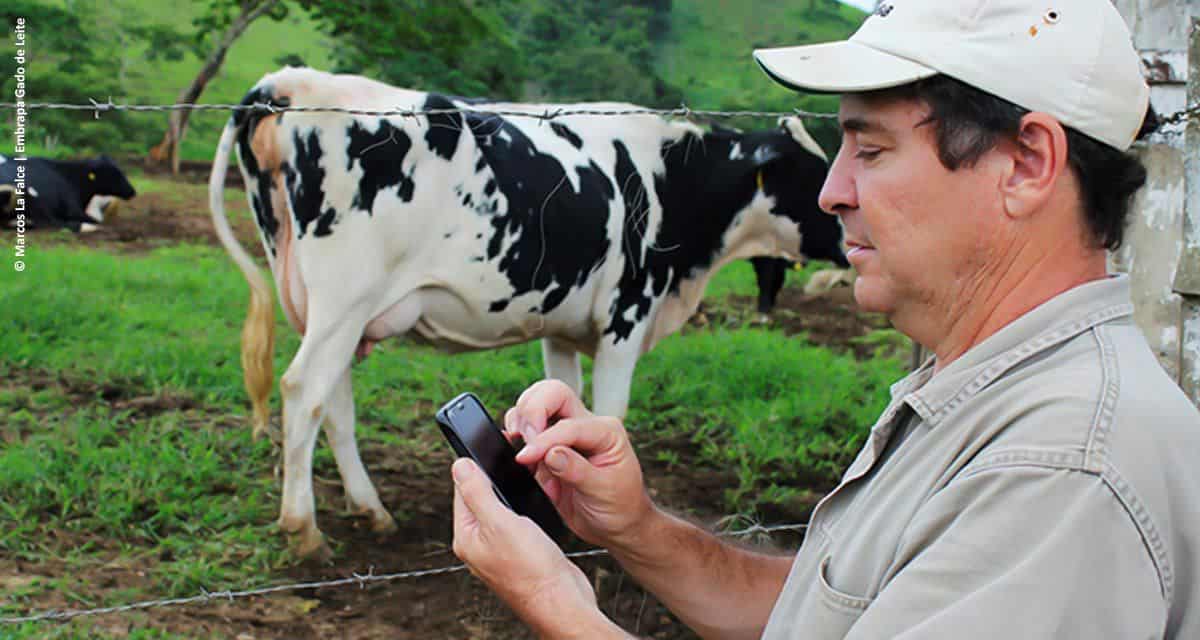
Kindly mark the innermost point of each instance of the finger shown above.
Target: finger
(545, 400)
(548, 481)
(568, 466)
(476, 490)
(590, 436)
(510, 421)
(466, 527)
(515, 424)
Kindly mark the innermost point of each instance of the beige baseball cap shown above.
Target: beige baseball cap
(1072, 59)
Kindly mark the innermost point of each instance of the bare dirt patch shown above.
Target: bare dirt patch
(830, 319)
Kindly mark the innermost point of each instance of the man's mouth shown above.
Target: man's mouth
(854, 249)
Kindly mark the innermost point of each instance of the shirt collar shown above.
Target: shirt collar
(1054, 321)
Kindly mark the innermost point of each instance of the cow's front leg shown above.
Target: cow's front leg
(612, 374)
(361, 497)
(561, 362)
(324, 357)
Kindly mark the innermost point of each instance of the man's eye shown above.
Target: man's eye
(868, 153)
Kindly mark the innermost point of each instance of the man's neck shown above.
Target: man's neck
(1003, 293)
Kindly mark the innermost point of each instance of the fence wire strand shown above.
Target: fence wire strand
(549, 113)
(1160, 126)
(362, 580)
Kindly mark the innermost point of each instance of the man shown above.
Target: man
(1038, 477)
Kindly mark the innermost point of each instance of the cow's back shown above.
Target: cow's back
(513, 220)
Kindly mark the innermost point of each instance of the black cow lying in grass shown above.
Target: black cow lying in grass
(56, 192)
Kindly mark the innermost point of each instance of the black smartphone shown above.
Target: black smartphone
(473, 434)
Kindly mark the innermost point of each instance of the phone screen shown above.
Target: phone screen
(472, 433)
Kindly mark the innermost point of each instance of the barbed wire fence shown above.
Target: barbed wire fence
(1158, 124)
(548, 113)
(354, 579)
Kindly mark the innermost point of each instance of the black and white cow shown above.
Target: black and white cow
(593, 234)
(58, 192)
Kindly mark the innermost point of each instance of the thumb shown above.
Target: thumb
(567, 465)
(475, 489)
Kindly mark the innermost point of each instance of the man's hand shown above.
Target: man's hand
(587, 467)
(584, 462)
(520, 563)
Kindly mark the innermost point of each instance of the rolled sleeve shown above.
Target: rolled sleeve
(1020, 552)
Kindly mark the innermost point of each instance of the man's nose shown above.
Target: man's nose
(840, 191)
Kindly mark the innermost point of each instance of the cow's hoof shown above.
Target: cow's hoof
(383, 524)
(312, 549)
(269, 431)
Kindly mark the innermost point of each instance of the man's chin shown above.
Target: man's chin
(870, 297)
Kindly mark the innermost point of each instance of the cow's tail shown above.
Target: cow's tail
(258, 333)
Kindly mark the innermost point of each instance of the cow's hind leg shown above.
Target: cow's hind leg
(561, 362)
(324, 357)
(361, 497)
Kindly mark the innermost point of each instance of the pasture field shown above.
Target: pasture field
(127, 470)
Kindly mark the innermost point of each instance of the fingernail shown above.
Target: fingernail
(527, 432)
(556, 461)
(459, 471)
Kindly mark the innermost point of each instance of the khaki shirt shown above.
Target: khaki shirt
(1046, 485)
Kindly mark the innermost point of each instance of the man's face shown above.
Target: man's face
(918, 234)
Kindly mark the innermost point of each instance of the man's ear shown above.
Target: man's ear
(1038, 161)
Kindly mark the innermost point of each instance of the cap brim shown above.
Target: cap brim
(838, 67)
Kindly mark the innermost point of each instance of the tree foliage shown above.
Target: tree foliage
(453, 46)
(506, 49)
(592, 49)
(64, 62)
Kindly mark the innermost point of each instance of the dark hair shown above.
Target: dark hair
(968, 122)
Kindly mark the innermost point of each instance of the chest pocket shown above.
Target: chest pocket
(817, 611)
(839, 609)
